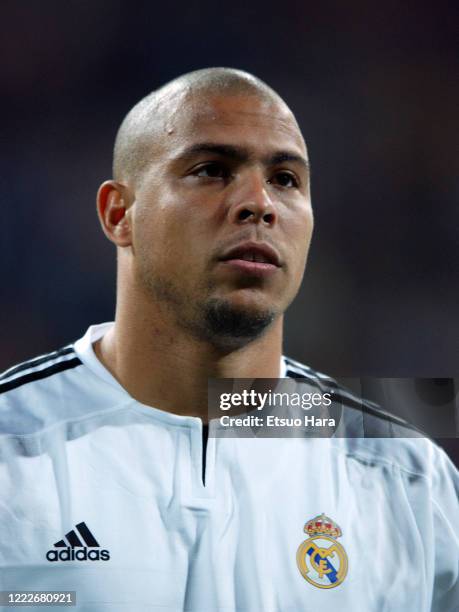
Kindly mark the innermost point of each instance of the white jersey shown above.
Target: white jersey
(125, 505)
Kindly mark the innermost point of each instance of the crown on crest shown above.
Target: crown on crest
(322, 525)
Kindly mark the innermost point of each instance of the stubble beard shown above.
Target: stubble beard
(213, 320)
(229, 326)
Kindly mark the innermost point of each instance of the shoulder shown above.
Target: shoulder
(30, 391)
(52, 389)
(371, 434)
(378, 420)
(38, 368)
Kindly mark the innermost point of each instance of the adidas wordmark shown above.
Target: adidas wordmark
(75, 549)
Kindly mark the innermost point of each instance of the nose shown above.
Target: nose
(251, 202)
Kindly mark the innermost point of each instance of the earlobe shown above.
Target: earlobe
(112, 208)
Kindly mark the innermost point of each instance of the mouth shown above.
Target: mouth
(253, 258)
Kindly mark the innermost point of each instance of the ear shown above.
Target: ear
(112, 208)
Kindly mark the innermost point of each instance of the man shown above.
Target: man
(110, 486)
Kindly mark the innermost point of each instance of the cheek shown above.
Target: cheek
(153, 226)
(308, 229)
(299, 232)
(167, 244)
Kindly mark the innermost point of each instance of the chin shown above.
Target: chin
(252, 301)
(227, 323)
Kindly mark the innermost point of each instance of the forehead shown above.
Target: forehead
(257, 122)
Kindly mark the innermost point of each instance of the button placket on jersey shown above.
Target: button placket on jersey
(198, 489)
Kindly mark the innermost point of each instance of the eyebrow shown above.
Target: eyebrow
(241, 154)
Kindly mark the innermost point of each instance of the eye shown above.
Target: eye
(285, 179)
(212, 170)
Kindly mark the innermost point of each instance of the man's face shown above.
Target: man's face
(227, 184)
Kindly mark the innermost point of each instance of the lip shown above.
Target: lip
(233, 259)
(265, 251)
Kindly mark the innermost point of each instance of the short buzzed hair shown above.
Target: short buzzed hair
(133, 141)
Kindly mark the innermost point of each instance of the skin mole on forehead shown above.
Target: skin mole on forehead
(190, 110)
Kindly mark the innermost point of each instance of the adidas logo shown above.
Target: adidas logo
(75, 550)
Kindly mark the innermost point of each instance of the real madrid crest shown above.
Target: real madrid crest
(322, 560)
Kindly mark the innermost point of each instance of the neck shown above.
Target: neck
(163, 366)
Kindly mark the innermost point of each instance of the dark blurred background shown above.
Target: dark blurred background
(375, 88)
